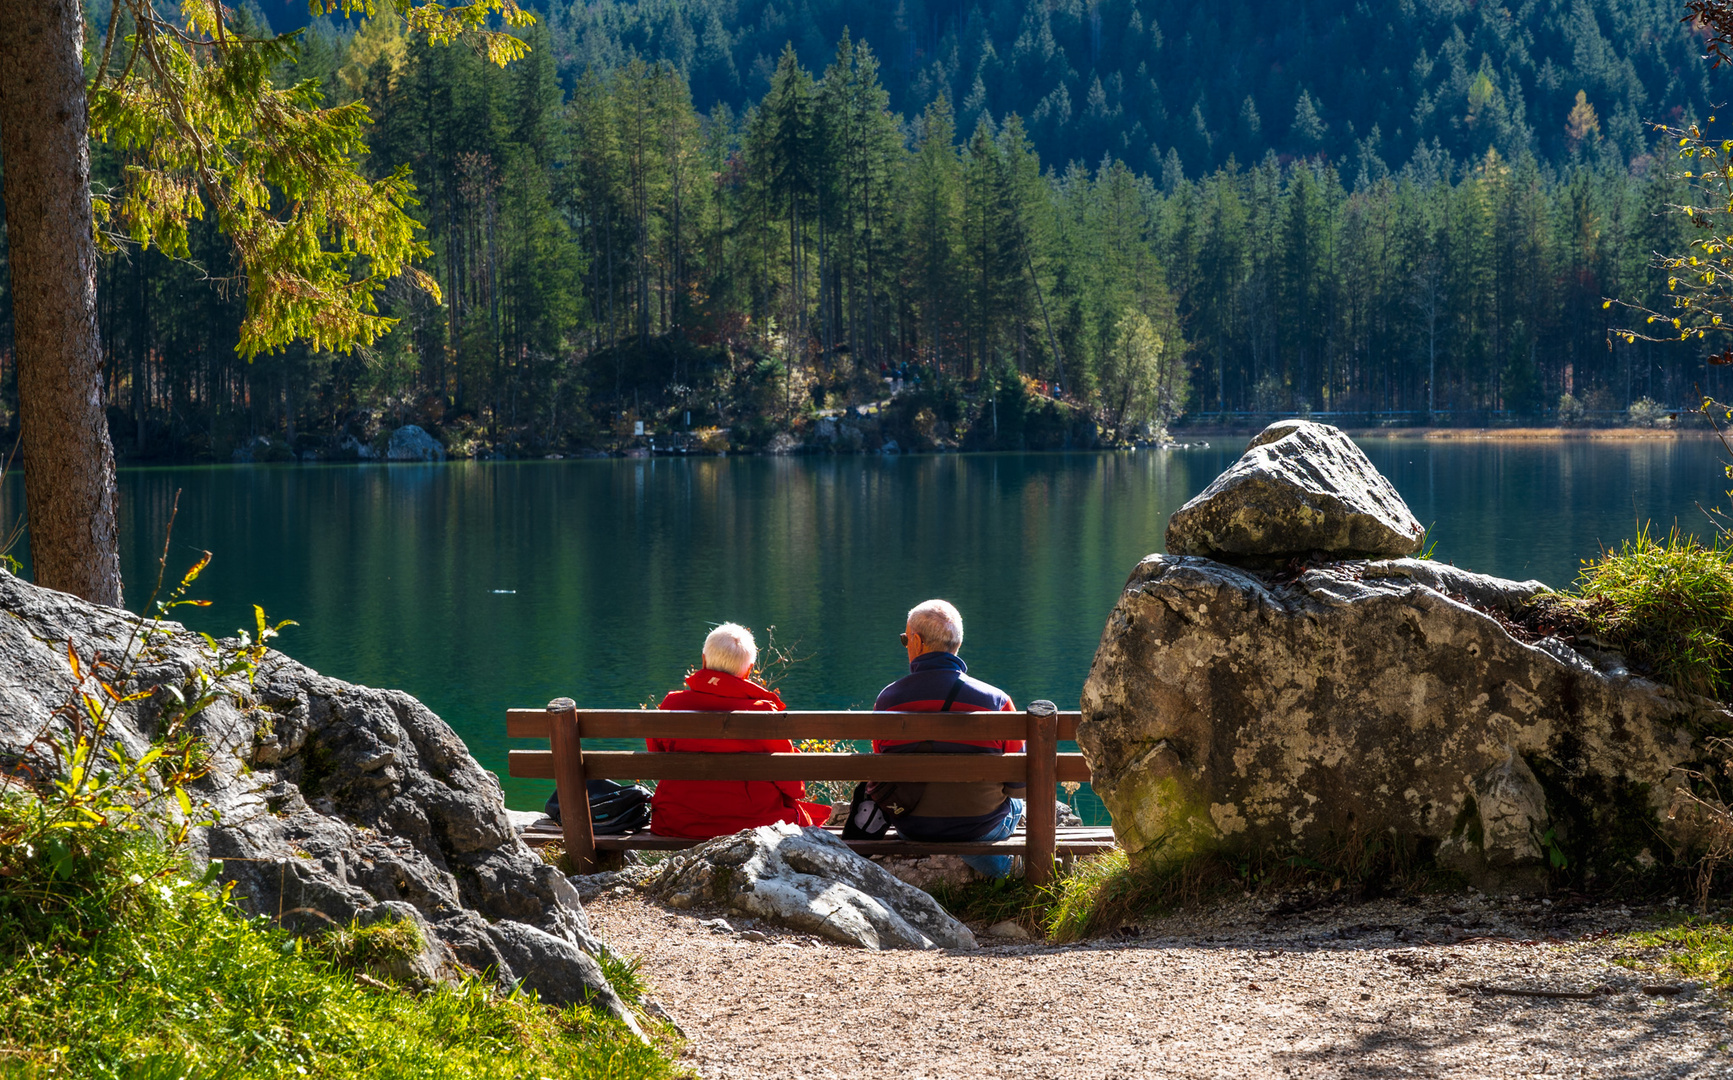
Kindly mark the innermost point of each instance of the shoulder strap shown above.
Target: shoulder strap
(951, 698)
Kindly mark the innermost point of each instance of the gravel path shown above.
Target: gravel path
(1380, 989)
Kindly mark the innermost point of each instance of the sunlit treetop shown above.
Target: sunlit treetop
(189, 103)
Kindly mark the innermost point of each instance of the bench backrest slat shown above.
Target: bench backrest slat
(930, 768)
(657, 724)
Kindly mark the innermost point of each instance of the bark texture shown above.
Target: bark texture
(69, 465)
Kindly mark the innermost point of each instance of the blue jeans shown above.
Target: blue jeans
(998, 865)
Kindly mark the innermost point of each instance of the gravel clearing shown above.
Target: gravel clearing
(1247, 989)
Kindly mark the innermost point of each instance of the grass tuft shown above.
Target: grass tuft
(1666, 604)
(363, 948)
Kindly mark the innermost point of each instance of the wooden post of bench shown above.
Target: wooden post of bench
(1041, 815)
(567, 744)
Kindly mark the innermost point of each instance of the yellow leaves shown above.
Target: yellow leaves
(1605, 304)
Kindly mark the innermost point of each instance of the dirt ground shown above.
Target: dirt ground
(1252, 989)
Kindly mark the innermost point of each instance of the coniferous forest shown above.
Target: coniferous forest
(1042, 219)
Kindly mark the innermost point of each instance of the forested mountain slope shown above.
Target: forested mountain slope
(1166, 83)
(667, 214)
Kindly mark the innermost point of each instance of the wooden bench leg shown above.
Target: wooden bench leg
(1042, 820)
(568, 747)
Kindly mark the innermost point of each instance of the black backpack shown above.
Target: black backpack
(615, 809)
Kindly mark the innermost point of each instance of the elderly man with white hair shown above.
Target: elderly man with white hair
(701, 809)
(938, 681)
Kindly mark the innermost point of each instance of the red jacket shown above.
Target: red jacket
(700, 809)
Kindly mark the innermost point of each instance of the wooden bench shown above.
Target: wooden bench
(1042, 767)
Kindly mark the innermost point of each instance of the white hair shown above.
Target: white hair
(939, 623)
(729, 648)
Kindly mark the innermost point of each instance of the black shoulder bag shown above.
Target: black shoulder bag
(878, 803)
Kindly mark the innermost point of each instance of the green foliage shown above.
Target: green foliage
(606, 252)
(1696, 948)
(176, 983)
(1146, 80)
(1667, 604)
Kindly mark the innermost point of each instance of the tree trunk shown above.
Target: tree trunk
(44, 137)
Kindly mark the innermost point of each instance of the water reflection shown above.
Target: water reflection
(616, 569)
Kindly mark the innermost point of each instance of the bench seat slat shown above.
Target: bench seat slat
(931, 768)
(1073, 841)
(657, 724)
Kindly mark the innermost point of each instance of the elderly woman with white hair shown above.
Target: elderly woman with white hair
(701, 809)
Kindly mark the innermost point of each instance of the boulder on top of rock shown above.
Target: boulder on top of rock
(1365, 702)
(1300, 488)
(809, 880)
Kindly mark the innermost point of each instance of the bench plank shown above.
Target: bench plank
(1070, 841)
(659, 724)
(930, 768)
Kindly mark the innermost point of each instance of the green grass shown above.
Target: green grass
(1695, 948)
(113, 964)
(1102, 894)
(1666, 604)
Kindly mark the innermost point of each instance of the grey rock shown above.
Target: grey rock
(1299, 488)
(758, 937)
(558, 971)
(716, 926)
(1224, 712)
(1503, 828)
(337, 802)
(590, 886)
(353, 448)
(809, 880)
(411, 443)
(1008, 931)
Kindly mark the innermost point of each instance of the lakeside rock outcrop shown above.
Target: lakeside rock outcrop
(337, 802)
(1354, 701)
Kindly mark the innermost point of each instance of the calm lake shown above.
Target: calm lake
(477, 586)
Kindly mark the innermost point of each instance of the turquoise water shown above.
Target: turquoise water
(478, 586)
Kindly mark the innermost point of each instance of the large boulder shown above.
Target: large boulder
(1299, 489)
(337, 802)
(809, 880)
(1376, 701)
(411, 443)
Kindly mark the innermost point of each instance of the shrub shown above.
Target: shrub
(1647, 413)
(1570, 410)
